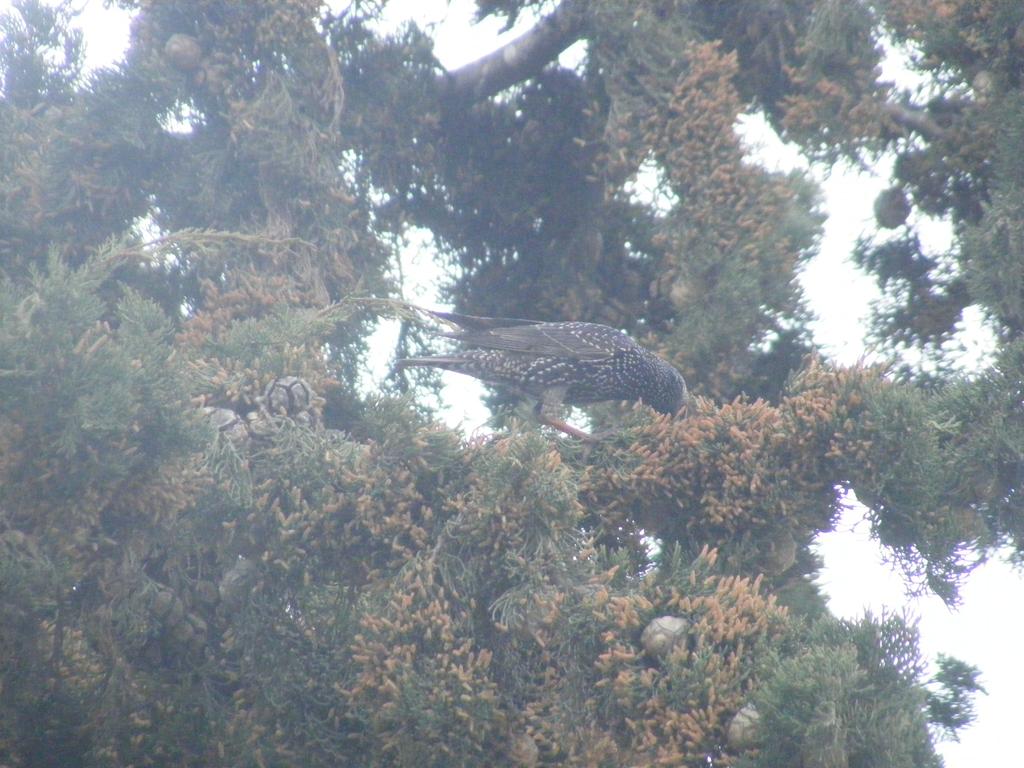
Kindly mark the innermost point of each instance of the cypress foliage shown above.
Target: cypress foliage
(216, 548)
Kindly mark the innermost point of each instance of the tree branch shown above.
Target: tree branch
(517, 60)
(914, 119)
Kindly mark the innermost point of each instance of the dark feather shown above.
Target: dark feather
(578, 341)
(439, 361)
(558, 363)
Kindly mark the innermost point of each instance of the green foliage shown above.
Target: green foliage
(992, 245)
(983, 437)
(40, 62)
(956, 158)
(850, 694)
(907, 483)
(217, 549)
(96, 392)
(951, 706)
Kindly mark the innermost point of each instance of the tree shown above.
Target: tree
(215, 548)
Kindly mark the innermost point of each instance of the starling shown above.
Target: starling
(558, 364)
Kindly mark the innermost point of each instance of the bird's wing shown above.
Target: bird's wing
(572, 340)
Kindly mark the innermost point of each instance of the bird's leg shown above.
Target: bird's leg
(562, 426)
(559, 424)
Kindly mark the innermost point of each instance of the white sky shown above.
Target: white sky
(987, 630)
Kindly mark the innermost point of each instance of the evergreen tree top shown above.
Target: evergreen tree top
(217, 547)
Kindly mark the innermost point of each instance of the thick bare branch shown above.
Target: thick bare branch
(517, 60)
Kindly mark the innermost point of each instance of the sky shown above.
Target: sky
(856, 577)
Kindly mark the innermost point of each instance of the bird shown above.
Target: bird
(556, 364)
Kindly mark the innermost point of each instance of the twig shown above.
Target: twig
(916, 119)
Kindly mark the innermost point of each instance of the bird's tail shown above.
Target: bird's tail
(450, 362)
(455, 321)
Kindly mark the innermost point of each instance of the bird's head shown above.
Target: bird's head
(669, 393)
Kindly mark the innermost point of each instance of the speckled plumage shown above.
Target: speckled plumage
(559, 363)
